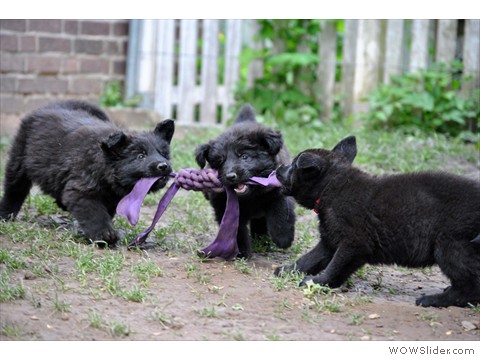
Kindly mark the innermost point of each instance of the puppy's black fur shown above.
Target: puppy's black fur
(86, 163)
(412, 220)
(244, 150)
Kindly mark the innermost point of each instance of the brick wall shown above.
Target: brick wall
(44, 60)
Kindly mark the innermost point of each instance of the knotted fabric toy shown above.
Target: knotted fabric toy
(225, 244)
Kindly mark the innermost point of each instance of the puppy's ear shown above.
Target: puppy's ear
(201, 155)
(115, 143)
(165, 130)
(272, 140)
(247, 113)
(307, 165)
(306, 161)
(347, 147)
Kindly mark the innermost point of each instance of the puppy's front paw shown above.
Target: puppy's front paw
(282, 270)
(306, 279)
(106, 237)
(425, 301)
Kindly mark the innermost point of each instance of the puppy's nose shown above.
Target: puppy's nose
(163, 166)
(231, 176)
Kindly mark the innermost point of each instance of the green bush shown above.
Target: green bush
(286, 93)
(113, 96)
(429, 100)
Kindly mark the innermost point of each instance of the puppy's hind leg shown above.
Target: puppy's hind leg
(15, 191)
(244, 241)
(281, 222)
(461, 264)
(17, 184)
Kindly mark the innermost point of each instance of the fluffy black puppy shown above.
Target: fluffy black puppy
(244, 150)
(413, 220)
(86, 163)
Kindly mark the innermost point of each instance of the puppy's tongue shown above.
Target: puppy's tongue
(240, 188)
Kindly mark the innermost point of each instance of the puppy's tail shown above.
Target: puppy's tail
(247, 113)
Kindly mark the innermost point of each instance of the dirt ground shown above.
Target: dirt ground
(222, 302)
(218, 300)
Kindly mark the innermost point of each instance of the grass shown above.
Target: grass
(188, 224)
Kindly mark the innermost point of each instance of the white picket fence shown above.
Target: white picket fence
(164, 61)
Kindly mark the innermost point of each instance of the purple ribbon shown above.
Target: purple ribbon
(225, 244)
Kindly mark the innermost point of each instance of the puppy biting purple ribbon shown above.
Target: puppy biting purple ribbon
(225, 244)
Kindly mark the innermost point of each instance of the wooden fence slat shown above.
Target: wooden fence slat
(471, 58)
(208, 106)
(419, 48)
(146, 63)
(233, 48)
(327, 54)
(446, 40)
(393, 49)
(165, 30)
(367, 62)
(255, 69)
(187, 71)
(364, 50)
(348, 65)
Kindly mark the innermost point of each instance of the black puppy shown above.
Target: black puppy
(413, 220)
(86, 163)
(244, 150)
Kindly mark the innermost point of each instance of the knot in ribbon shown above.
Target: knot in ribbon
(225, 244)
(199, 180)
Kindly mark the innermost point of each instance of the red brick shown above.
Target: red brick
(42, 85)
(85, 86)
(11, 104)
(9, 42)
(120, 28)
(33, 103)
(94, 66)
(43, 64)
(94, 47)
(71, 27)
(111, 47)
(70, 65)
(119, 67)
(28, 43)
(95, 28)
(7, 84)
(13, 24)
(46, 44)
(50, 25)
(12, 63)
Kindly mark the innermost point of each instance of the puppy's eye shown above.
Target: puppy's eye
(141, 156)
(244, 156)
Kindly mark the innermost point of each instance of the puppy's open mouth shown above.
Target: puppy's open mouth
(240, 188)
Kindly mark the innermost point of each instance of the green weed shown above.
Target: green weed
(136, 294)
(119, 329)
(9, 290)
(12, 331)
(95, 319)
(242, 265)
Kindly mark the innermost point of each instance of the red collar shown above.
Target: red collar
(316, 207)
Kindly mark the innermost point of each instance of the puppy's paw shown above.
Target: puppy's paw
(426, 301)
(307, 279)
(282, 270)
(107, 237)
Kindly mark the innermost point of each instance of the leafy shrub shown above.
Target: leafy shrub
(428, 100)
(286, 92)
(113, 96)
